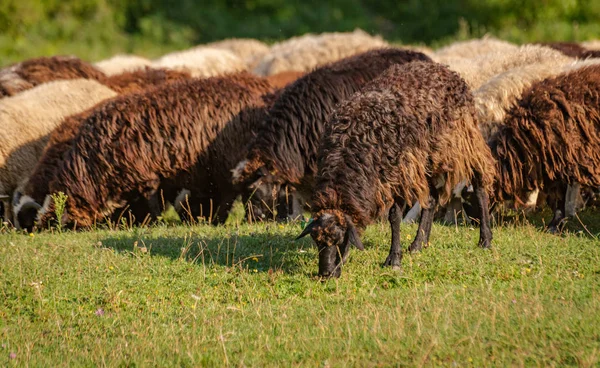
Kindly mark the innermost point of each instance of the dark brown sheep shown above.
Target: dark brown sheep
(30, 73)
(551, 138)
(28, 198)
(286, 146)
(572, 49)
(410, 135)
(126, 148)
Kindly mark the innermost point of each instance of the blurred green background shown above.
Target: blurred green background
(95, 29)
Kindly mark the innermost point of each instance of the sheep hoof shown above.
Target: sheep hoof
(415, 247)
(485, 243)
(393, 260)
(552, 230)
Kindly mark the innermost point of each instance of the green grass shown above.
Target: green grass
(248, 295)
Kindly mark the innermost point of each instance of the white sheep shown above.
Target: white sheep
(309, 51)
(119, 64)
(202, 62)
(478, 71)
(247, 49)
(472, 49)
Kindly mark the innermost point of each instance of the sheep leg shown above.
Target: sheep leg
(412, 214)
(485, 231)
(427, 215)
(395, 257)
(559, 212)
(453, 208)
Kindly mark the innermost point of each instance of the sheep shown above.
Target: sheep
(472, 49)
(29, 117)
(309, 51)
(30, 73)
(247, 49)
(286, 146)
(550, 138)
(126, 149)
(478, 71)
(572, 49)
(202, 62)
(30, 194)
(495, 97)
(119, 64)
(411, 134)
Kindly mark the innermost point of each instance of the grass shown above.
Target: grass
(247, 295)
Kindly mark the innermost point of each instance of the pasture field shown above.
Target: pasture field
(247, 295)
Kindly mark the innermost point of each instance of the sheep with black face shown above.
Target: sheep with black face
(411, 134)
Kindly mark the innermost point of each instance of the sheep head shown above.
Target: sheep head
(25, 210)
(333, 232)
(259, 186)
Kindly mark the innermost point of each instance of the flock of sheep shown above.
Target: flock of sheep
(344, 125)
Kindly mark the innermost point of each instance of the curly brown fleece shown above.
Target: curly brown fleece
(61, 138)
(287, 145)
(125, 148)
(552, 135)
(392, 141)
(30, 73)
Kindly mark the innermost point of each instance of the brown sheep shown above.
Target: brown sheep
(29, 196)
(126, 148)
(30, 73)
(286, 147)
(551, 138)
(410, 135)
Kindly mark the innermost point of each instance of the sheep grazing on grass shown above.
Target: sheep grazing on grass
(309, 51)
(125, 149)
(119, 64)
(31, 193)
(478, 71)
(551, 138)
(247, 49)
(573, 49)
(28, 118)
(285, 149)
(30, 73)
(472, 49)
(409, 135)
(202, 62)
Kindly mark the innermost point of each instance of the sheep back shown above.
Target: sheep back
(288, 143)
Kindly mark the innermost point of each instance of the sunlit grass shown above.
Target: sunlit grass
(247, 295)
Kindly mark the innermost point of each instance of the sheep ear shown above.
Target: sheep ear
(353, 237)
(307, 229)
